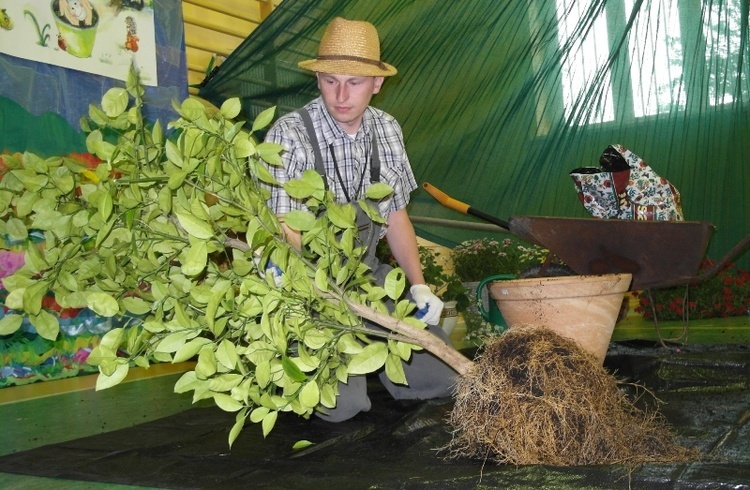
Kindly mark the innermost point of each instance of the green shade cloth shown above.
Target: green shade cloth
(495, 115)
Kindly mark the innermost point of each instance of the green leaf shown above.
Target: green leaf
(268, 422)
(157, 133)
(226, 402)
(378, 191)
(136, 306)
(195, 259)
(239, 424)
(206, 365)
(30, 179)
(342, 215)
(103, 304)
(189, 350)
(225, 382)
(264, 119)
(226, 354)
(348, 344)
(187, 382)
(10, 324)
(115, 101)
(244, 147)
(395, 282)
(270, 153)
(321, 279)
(291, 370)
(192, 109)
(302, 444)
(32, 297)
(309, 182)
(16, 229)
(300, 220)
(46, 324)
(261, 171)
(165, 200)
(394, 369)
(194, 226)
(371, 359)
(173, 154)
(309, 395)
(105, 206)
(258, 414)
(176, 179)
(112, 339)
(103, 381)
(34, 259)
(401, 349)
(231, 108)
(263, 374)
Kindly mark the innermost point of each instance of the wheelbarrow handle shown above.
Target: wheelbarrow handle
(462, 207)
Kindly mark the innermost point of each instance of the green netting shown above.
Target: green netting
(499, 100)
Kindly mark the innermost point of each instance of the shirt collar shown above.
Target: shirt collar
(331, 129)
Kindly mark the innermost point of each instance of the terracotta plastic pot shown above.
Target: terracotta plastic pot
(581, 308)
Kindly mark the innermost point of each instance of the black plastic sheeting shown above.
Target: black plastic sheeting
(704, 390)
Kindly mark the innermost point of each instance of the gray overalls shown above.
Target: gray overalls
(428, 376)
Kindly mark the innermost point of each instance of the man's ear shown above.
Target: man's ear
(378, 83)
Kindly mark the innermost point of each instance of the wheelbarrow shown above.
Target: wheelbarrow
(658, 254)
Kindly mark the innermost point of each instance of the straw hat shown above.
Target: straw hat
(349, 47)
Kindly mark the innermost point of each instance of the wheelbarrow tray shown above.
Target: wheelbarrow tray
(656, 253)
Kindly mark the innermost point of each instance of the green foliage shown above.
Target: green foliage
(724, 295)
(474, 260)
(447, 287)
(175, 233)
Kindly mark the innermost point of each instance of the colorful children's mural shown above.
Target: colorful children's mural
(27, 357)
(96, 36)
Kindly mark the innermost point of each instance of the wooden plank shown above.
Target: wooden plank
(217, 21)
(216, 42)
(199, 59)
(242, 9)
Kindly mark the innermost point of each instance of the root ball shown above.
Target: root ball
(537, 398)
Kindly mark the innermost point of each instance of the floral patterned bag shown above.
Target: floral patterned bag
(626, 187)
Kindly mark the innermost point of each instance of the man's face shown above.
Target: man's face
(346, 97)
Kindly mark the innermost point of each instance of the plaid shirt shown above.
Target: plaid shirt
(352, 156)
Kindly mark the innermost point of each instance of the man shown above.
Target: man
(353, 146)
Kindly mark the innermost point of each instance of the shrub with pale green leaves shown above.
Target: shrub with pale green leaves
(175, 232)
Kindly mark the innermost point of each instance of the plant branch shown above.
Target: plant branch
(460, 363)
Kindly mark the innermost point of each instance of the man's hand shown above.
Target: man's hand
(430, 307)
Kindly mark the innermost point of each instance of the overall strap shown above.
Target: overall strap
(374, 163)
(307, 121)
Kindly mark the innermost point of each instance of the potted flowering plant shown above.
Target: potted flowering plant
(474, 260)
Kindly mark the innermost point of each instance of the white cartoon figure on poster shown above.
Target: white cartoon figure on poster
(78, 12)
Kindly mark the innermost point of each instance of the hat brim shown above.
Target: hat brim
(346, 67)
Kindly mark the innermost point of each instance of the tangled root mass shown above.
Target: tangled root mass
(537, 398)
